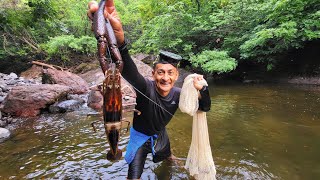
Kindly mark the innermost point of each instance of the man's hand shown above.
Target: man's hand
(111, 14)
(196, 81)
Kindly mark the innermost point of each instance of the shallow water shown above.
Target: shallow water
(256, 132)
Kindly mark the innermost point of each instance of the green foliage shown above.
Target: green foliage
(311, 26)
(41, 10)
(63, 46)
(275, 40)
(214, 61)
(26, 24)
(256, 30)
(166, 31)
(73, 17)
(286, 26)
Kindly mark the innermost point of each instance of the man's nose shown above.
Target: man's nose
(165, 76)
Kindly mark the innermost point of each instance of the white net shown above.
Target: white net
(199, 161)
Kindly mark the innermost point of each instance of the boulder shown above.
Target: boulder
(95, 100)
(75, 82)
(144, 69)
(65, 106)
(4, 133)
(34, 73)
(27, 101)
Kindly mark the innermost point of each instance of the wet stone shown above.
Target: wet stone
(3, 87)
(3, 93)
(79, 97)
(13, 76)
(2, 99)
(3, 123)
(65, 106)
(12, 82)
(4, 133)
(9, 120)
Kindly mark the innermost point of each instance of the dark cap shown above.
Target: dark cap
(167, 57)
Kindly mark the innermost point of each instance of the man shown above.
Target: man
(157, 100)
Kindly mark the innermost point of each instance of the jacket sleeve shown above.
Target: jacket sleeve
(204, 101)
(130, 71)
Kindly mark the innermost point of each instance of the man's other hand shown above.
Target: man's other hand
(196, 82)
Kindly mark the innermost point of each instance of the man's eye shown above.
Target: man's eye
(160, 72)
(171, 72)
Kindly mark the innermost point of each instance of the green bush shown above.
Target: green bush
(214, 61)
(63, 46)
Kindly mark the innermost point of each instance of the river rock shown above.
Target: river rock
(4, 133)
(1, 99)
(33, 73)
(3, 87)
(79, 97)
(65, 106)
(3, 123)
(93, 77)
(75, 82)
(13, 76)
(95, 100)
(28, 101)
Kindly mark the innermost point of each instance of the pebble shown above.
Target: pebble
(3, 123)
(4, 133)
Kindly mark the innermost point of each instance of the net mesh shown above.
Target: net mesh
(199, 161)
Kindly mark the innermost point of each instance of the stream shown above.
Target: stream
(257, 131)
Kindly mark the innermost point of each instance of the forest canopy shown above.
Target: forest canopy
(214, 35)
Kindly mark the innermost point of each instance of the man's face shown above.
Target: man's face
(165, 75)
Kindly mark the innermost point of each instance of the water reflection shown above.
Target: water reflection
(256, 132)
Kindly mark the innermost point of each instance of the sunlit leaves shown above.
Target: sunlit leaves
(271, 39)
(167, 30)
(311, 26)
(63, 46)
(214, 61)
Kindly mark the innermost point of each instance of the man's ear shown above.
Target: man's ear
(177, 75)
(153, 74)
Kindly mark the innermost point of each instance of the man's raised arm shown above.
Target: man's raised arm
(130, 71)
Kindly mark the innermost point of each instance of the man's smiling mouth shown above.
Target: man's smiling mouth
(165, 83)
